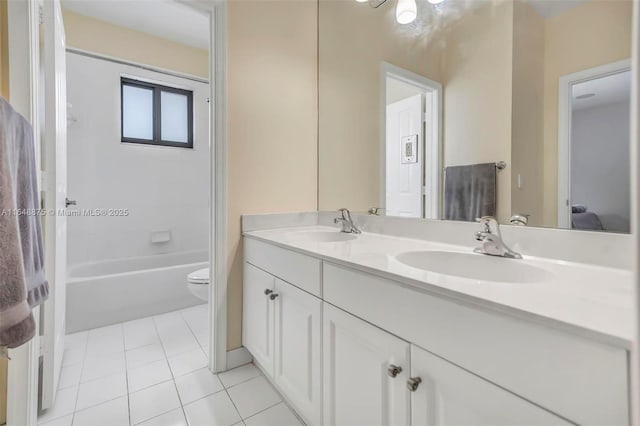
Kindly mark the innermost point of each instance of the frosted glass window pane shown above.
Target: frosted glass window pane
(137, 112)
(175, 117)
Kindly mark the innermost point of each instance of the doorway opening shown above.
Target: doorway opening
(593, 149)
(411, 114)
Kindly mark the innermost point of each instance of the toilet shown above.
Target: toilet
(198, 283)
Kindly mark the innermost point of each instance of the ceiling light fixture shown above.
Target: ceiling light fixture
(586, 96)
(406, 11)
(435, 1)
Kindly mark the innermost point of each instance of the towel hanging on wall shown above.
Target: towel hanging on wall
(22, 281)
(470, 192)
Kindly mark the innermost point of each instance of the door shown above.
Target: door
(55, 193)
(361, 386)
(447, 395)
(257, 315)
(405, 157)
(298, 350)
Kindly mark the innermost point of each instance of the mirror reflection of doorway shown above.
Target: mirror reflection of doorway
(597, 170)
(411, 149)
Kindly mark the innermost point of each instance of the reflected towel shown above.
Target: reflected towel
(470, 192)
(22, 281)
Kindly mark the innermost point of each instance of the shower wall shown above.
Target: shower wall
(163, 188)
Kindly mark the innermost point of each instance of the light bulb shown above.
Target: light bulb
(406, 11)
(433, 1)
(364, 1)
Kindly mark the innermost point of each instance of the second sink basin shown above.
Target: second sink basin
(320, 236)
(474, 266)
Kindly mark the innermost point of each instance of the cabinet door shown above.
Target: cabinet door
(449, 395)
(358, 388)
(257, 315)
(297, 350)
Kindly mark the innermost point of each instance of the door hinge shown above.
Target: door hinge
(41, 14)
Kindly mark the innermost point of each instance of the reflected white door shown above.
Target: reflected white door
(55, 193)
(404, 178)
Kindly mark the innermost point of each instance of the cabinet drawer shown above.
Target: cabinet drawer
(294, 268)
(580, 380)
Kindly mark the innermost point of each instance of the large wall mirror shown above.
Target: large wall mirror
(517, 109)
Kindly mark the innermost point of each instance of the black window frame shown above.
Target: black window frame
(157, 113)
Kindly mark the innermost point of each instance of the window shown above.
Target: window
(156, 115)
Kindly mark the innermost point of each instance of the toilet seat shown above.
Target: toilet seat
(200, 276)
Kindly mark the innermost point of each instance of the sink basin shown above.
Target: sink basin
(320, 236)
(474, 266)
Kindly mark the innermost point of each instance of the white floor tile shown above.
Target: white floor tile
(148, 375)
(214, 410)
(65, 405)
(239, 375)
(188, 362)
(172, 418)
(76, 340)
(144, 355)
(169, 322)
(280, 415)
(61, 421)
(105, 340)
(96, 366)
(101, 390)
(179, 341)
(197, 384)
(153, 401)
(139, 333)
(73, 356)
(197, 318)
(70, 376)
(112, 413)
(203, 338)
(253, 396)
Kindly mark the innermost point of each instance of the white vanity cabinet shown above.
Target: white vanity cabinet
(282, 330)
(447, 395)
(347, 347)
(365, 373)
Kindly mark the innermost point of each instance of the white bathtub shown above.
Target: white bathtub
(104, 293)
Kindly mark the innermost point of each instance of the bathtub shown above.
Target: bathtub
(108, 292)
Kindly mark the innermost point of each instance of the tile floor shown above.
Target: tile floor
(153, 371)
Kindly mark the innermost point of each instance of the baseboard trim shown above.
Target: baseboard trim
(237, 357)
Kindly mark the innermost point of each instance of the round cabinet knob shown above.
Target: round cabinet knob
(394, 370)
(273, 296)
(268, 292)
(413, 383)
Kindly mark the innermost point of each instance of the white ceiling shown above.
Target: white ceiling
(163, 18)
(608, 90)
(550, 8)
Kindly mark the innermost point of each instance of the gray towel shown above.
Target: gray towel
(470, 192)
(22, 281)
(586, 221)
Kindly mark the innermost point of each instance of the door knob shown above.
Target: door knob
(394, 370)
(273, 296)
(68, 202)
(268, 291)
(413, 383)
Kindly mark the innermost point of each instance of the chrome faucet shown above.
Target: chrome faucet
(492, 243)
(347, 223)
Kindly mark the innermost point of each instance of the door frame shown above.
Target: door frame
(23, 18)
(565, 85)
(217, 11)
(433, 159)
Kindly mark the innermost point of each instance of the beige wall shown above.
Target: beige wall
(477, 79)
(593, 34)
(527, 118)
(272, 118)
(354, 40)
(97, 36)
(4, 92)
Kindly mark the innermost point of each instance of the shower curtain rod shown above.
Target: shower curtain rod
(134, 64)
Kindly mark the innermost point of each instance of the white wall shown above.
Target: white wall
(164, 188)
(600, 163)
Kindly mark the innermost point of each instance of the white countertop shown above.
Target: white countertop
(594, 301)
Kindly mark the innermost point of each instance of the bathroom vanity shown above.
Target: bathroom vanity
(352, 330)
